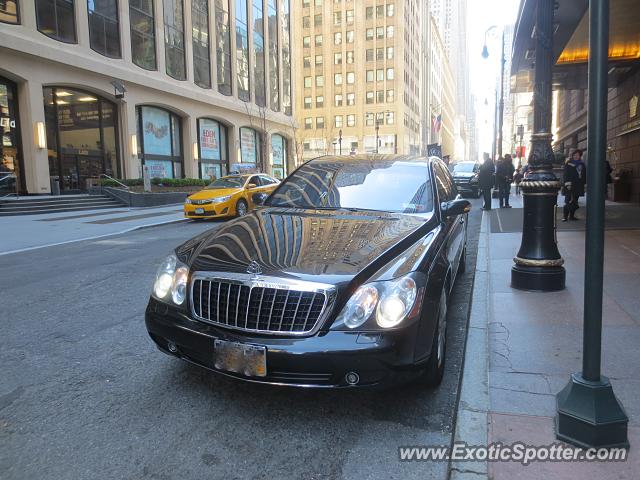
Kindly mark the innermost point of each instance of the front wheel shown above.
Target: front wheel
(432, 376)
(241, 208)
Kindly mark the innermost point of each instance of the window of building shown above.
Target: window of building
(337, 38)
(337, 18)
(349, 16)
(350, 56)
(390, 10)
(368, 119)
(9, 12)
(259, 79)
(369, 55)
(174, 39)
(338, 121)
(306, 42)
(306, 62)
(250, 142)
(391, 118)
(390, 31)
(104, 33)
(380, 11)
(337, 58)
(337, 79)
(285, 36)
(380, 74)
(351, 99)
(338, 100)
(56, 19)
(350, 36)
(379, 33)
(308, 123)
(318, 40)
(369, 13)
(319, 60)
(351, 78)
(389, 53)
(370, 75)
(200, 40)
(242, 51)
(318, 3)
(319, 123)
(370, 97)
(279, 156)
(306, 3)
(369, 33)
(307, 102)
(308, 81)
(306, 21)
(213, 155)
(351, 120)
(319, 80)
(380, 96)
(390, 74)
(317, 20)
(319, 101)
(274, 72)
(223, 46)
(143, 39)
(390, 96)
(160, 142)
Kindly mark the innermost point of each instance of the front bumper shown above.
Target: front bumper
(466, 187)
(209, 210)
(322, 360)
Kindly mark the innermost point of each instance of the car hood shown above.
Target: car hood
(322, 246)
(213, 193)
(463, 175)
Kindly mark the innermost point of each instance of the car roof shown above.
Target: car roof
(373, 157)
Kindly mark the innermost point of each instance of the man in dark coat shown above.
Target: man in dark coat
(485, 180)
(574, 179)
(504, 174)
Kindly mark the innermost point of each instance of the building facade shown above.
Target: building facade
(357, 65)
(183, 88)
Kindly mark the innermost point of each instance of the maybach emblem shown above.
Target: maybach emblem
(254, 268)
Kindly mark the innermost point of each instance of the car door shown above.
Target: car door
(249, 192)
(454, 226)
(268, 184)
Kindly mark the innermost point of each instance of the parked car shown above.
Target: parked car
(228, 196)
(465, 176)
(341, 279)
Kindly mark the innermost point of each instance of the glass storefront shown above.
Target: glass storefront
(11, 166)
(249, 150)
(212, 149)
(279, 159)
(160, 138)
(82, 137)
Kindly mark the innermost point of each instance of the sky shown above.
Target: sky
(483, 74)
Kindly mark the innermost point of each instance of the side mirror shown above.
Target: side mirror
(251, 185)
(455, 207)
(259, 198)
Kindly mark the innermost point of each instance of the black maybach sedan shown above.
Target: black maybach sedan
(341, 279)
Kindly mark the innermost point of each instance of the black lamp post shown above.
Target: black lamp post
(377, 133)
(340, 141)
(538, 264)
(589, 414)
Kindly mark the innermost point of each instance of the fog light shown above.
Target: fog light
(173, 348)
(352, 378)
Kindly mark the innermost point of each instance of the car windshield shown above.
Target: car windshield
(463, 167)
(389, 186)
(228, 182)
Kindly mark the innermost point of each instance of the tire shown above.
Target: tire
(241, 208)
(434, 372)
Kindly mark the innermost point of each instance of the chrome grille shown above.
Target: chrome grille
(255, 306)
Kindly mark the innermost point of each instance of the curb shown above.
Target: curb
(96, 237)
(472, 416)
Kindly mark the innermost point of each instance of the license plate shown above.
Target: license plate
(199, 211)
(249, 360)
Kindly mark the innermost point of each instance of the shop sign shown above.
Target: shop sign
(209, 141)
(156, 132)
(6, 122)
(159, 168)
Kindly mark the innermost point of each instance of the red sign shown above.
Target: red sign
(520, 151)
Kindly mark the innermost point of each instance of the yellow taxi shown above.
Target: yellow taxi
(228, 196)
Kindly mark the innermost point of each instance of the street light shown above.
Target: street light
(485, 50)
(340, 141)
(386, 112)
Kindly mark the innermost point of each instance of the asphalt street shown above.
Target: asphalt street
(85, 394)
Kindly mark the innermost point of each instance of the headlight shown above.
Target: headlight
(391, 300)
(474, 179)
(221, 199)
(171, 281)
(188, 201)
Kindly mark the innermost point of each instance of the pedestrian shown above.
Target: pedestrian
(574, 179)
(504, 174)
(485, 180)
(517, 178)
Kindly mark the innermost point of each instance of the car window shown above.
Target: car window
(255, 180)
(266, 180)
(357, 185)
(444, 184)
(227, 182)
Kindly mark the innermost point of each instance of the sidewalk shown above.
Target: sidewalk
(523, 346)
(27, 232)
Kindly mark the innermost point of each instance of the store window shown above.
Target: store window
(82, 137)
(160, 142)
(174, 39)
(143, 34)
(9, 12)
(279, 149)
(213, 153)
(223, 47)
(56, 19)
(11, 165)
(250, 159)
(200, 42)
(104, 33)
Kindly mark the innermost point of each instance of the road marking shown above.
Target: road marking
(630, 250)
(128, 230)
(499, 221)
